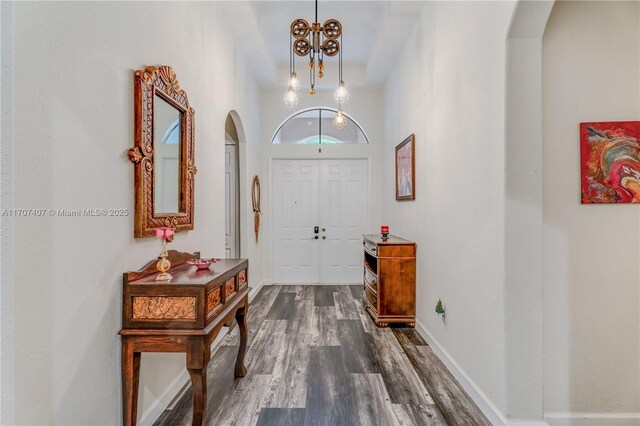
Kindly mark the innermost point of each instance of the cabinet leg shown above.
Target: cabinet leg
(241, 370)
(198, 353)
(130, 380)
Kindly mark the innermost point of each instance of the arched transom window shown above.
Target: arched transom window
(315, 126)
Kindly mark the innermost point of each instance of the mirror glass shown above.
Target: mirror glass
(166, 158)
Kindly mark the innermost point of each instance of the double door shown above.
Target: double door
(320, 211)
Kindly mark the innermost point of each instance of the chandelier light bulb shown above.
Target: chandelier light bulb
(294, 83)
(339, 121)
(342, 94)
(290, 99)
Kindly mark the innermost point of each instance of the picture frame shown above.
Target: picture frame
(610, 162)
(405, 169)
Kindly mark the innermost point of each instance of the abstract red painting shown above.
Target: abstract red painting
(610, 162)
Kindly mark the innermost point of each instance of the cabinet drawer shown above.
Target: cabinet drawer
(230, 288)
(371, 279)
(370, 247)
(371, 298)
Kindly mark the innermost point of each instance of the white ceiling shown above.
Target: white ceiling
(373, 35)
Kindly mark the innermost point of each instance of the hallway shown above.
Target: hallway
(360, 374)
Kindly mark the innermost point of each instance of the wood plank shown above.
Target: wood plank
(241, 406)
(283, 307)
(306, 292)
(372, 401)
(356, 291)
(344, 303)
(304, 321)
(325, 327)
(330, 392)
(409, 336)
(220, 372)
(358, 351)
(402, 381)
(323, 295)
(288, 385)
(408, 414)
(258, 310)
(281, 417)
(262, 355)
(365, 318)
(452, 401)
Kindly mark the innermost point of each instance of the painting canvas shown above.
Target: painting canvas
(610, 162)
(405, 173)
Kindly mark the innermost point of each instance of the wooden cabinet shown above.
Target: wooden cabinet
(389, 289)
(183, 314)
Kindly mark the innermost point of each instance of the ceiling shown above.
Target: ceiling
(372, 34)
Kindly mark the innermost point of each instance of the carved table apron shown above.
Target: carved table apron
(184, 314)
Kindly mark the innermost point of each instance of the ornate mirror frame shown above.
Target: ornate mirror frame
(162, 81)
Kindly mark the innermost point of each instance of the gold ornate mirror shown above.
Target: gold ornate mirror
(163, 153)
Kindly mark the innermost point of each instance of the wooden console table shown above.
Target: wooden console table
(184, 314)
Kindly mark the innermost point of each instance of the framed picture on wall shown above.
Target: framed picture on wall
(610, 162)
(405, 169)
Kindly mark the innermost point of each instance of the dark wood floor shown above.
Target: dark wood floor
(316, 358)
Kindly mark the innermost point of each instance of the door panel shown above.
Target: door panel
(295, 211)
(231, 223)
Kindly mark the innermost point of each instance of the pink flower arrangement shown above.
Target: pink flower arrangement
(165, 233)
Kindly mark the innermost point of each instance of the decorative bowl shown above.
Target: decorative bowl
(201, 263)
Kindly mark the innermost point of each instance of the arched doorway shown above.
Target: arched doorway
(232, 188)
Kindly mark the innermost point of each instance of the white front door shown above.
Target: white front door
(295, 213)
(231, 222)
(331, 195)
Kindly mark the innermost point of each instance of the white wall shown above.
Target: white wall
(449, 89)
(591, 72)
(72, 69)
(364, 106)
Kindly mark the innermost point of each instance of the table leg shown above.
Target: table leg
(130, 380)
(198, 354)
(240, 370)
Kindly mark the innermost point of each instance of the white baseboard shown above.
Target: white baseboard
(284, 284)
(159, 405)
(487, 407)
(593, 419)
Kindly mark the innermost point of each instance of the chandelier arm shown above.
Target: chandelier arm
(340, 59)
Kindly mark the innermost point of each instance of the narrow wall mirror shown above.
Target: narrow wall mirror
(163, 153)
(166, 158)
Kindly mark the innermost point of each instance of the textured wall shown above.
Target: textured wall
(591, 68)
(73, 69)
(449, 89)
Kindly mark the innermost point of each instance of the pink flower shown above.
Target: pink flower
(165, 233)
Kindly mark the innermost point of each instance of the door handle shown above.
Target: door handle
(315, 237)
(324, 237)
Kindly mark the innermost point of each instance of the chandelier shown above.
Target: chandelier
(316, 41)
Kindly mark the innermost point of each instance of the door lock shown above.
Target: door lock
(316, 229)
